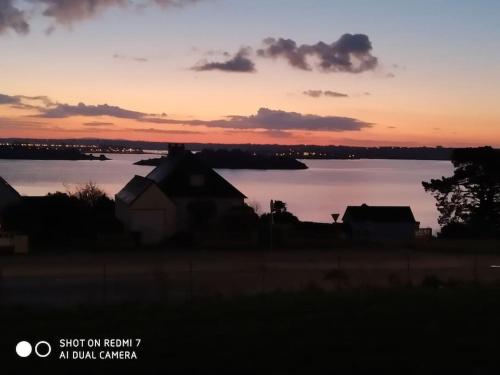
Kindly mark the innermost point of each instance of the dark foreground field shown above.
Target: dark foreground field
(356, 311)
(406, 330)
(72, 279)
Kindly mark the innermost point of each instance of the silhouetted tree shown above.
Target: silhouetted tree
(280, 214)
(62, 217)
(89, 194)
(469, 201)
(279, 207)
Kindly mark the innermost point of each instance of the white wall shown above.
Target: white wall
(153, 215)
(7, 197)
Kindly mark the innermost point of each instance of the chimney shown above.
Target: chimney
(175, 149)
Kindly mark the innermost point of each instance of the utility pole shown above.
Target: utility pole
(104, 284)
(271, 226)
(271, 222)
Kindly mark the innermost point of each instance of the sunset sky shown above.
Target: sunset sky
(354, 72)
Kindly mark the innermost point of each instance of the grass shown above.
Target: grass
(415, 330)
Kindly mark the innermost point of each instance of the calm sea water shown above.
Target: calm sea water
(327, 187)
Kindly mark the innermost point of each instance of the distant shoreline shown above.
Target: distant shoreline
(17, 152)
(296, 151)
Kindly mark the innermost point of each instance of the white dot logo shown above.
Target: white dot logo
(23, 349)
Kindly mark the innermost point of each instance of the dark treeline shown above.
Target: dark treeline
(345, 152)
(57, 218)
(296, 151)
(238, 159)
(33, 152)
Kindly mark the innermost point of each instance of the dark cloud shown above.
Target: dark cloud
(81, 109)
(286, 48)
(281, 120)
(350, 53)
(24, 101)
(276, 120)
(45, 100)
(328, 93)
(271, 120)
(240, 63)
(46, 108)
(12, 18)
(118, 56)
(7, 99)
(334, 94)
(69, 12)
(265, 118)
(97, 124)
(313, 93)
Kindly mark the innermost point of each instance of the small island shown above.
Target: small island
(238, 159)
(45, 152)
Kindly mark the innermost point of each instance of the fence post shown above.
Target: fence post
(104, 286)
(338, 268)
(1, 285)
(408, 268)
(190, 290)
(474, 267)
(263, 273)
(163, 280)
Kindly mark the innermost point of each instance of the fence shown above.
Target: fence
(191, 276)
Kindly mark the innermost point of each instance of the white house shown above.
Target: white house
(180, 193)
(380, 222)
(8, 195)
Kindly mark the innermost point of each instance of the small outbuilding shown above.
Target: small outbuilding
(178, 195)
(380, 222)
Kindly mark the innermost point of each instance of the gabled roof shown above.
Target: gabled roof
(8, 187)
(379, 214)
(135, 187)
(174, 175)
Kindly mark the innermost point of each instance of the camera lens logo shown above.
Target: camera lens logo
(42, 349)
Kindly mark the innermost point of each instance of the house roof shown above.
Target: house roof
(8, 187)
(173, 176)
(380, 214)
(134, 188)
